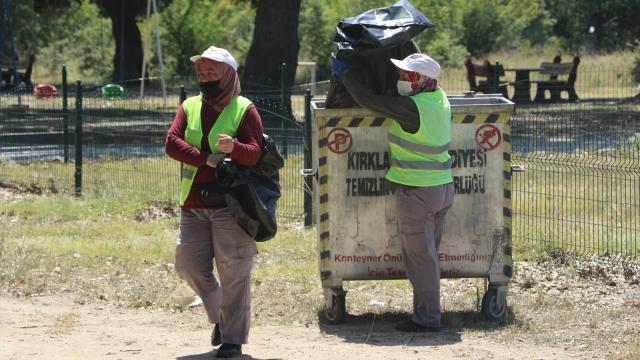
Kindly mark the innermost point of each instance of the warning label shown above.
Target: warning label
(488, 137)
(339, 140)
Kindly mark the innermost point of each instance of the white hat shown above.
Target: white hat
(217, 54)
(419, 63)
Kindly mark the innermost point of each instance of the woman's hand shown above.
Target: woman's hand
(225, 143)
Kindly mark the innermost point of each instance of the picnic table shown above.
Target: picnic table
(522, 84)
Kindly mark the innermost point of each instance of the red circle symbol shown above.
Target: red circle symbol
(488, 137)
(339, 140)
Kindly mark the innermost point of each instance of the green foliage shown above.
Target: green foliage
(78, 35)
(445, 50)
(482, 26)
(490, 25)
(443, 41)
(316, 36)
(191, 26)
(80, 38)
(524, 22)
(615, 23)
(25, 30)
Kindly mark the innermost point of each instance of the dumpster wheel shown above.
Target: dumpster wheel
(491, 308)
(335, 314)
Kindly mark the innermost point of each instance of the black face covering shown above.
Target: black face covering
(210, 89)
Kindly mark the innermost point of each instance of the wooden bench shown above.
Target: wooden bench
(555, 86)
(24, 73)
(486, 70)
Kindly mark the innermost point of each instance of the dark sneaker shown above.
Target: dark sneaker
(410, 326)
(229, 350)
(216, 338)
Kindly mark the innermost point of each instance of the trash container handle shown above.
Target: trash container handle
(308, 172)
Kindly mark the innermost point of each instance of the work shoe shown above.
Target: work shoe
(216, 338)
(229, 350)
(410, 326)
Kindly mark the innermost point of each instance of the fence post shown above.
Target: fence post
(308, 208)
(496, 78)
(283, 85)
(283, 101)
(78, 150)
(65, 114)
(183, 94)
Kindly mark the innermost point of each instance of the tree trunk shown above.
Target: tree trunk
(127, 61)
(275, 41)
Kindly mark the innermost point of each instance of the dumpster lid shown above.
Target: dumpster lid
(460, 104)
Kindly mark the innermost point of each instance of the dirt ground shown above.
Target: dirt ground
(58, 328)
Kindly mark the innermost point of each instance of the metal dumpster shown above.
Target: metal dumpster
(358, 237)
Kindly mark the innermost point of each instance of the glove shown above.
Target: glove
(338, 67)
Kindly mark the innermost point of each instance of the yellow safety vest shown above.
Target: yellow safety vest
(422, 159)
(227, 123)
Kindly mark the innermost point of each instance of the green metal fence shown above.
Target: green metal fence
(115, 147)
(576, 177)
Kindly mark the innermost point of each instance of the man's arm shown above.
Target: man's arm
(399, 108)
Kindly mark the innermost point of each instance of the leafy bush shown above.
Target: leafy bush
(189, 27)
(482, 26)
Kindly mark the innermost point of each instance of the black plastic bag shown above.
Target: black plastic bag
(252, 193)
(379, 28)
(367, 42)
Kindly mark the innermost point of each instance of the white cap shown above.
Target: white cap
(217, 54)
(419, 63)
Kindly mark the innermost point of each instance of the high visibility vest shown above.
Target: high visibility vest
(422, 159)
(227, 123)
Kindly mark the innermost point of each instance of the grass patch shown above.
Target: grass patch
(124, 185)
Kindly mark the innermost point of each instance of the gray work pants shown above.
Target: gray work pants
(421, 211)
(208, 234)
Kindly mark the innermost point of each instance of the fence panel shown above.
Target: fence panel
(122, 145)
(576, 180)
(36, 137)
(123, 149)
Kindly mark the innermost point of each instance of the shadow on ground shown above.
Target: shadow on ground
(212, 355)
(378, 329)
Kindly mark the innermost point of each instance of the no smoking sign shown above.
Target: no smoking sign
(488, 137)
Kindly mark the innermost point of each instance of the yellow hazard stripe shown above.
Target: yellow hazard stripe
(495, 118)
(366, 121)
(323, 178)
(507, 209)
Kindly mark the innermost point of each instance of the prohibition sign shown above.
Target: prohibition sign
(339, 140)
(488, 137)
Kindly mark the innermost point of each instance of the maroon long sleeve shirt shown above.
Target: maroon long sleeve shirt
(246, 150)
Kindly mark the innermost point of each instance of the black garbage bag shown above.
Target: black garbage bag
(252, 193)
(367, 42)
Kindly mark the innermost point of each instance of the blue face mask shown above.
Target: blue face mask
(210, 89)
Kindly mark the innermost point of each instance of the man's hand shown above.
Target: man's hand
(338, 67)
(213, 159)
(225, 143)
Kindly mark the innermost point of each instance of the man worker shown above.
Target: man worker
(216, 123)
(420, 173)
